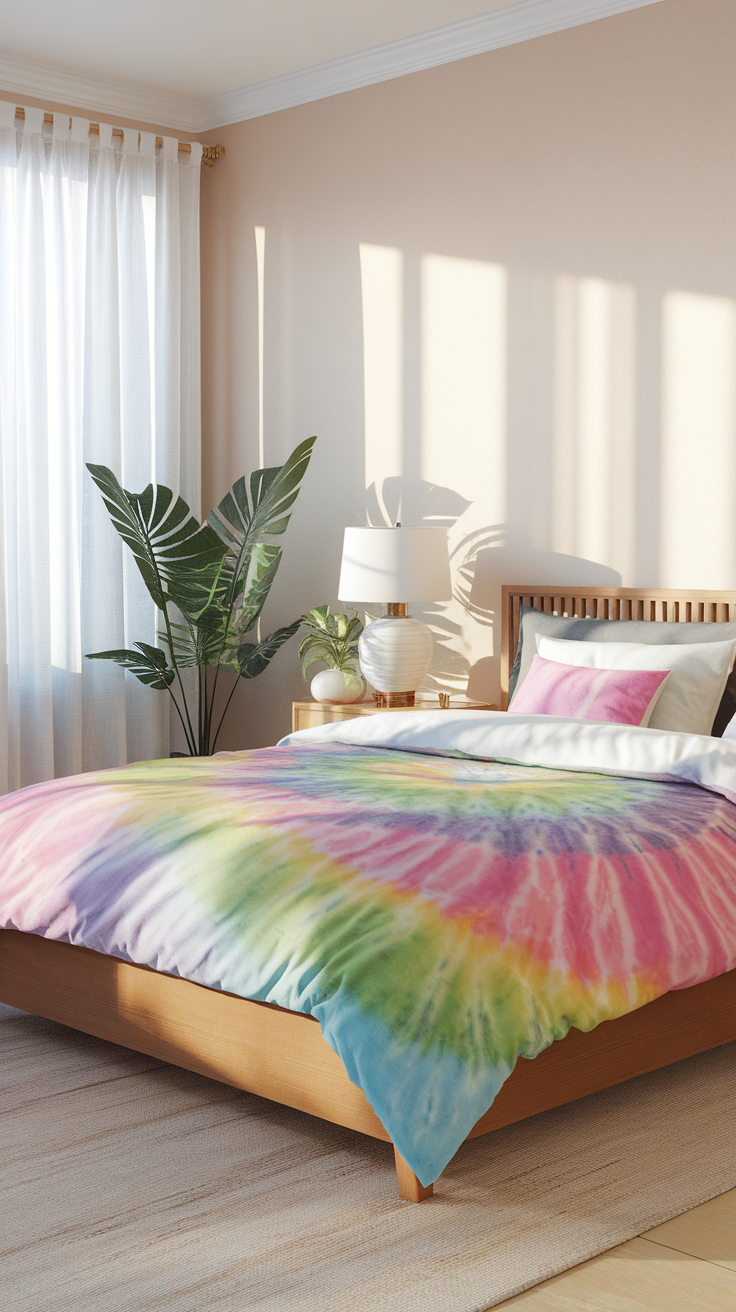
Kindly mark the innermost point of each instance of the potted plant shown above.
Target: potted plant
(334, 640)
(209, 581)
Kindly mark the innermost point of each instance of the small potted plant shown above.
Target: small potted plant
(332, 639)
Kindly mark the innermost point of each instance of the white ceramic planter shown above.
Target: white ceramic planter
(335, 688)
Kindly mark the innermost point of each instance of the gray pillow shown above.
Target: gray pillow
(534, 621)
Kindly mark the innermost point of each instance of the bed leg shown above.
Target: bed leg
(409, 1186)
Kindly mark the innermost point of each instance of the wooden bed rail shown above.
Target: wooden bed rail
(282, 1055)
(679, 607)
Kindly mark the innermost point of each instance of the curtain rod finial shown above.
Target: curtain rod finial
(211, 153)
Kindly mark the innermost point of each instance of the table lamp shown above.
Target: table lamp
(395, 565)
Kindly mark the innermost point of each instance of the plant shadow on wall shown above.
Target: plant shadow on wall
(487, 558)
(418, 503)
(481, 560)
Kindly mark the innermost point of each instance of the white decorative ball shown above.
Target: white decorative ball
(395, 653)
(336, 688)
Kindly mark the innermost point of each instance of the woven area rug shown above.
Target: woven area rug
(127, 1185)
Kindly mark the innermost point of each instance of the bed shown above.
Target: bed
(281, 1053)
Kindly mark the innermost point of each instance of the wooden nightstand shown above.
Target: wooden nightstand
(306, 715)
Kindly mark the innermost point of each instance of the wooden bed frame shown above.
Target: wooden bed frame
(281, 1054)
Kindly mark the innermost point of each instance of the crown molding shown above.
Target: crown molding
(442, 45)
(473, 36)
(159, 108)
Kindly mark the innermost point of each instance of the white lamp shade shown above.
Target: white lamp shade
(395, 564)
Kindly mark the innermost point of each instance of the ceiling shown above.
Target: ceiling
(197, 64)
(200, 48)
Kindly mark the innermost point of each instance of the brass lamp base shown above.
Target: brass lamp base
(388, 699)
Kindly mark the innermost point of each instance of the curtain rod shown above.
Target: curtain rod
(209, 153)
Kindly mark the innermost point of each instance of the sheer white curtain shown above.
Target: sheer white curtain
(99, 361)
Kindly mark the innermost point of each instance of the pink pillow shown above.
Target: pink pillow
(619, 696)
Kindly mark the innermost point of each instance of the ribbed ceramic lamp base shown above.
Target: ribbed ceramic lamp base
(395, 654)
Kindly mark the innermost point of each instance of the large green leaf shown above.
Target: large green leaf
(213, 639)
(148, 663)
(253, 657)
(199, 644)
(241, 520)
(262, 566)
(179, 559)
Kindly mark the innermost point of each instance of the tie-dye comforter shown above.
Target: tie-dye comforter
(440, 916)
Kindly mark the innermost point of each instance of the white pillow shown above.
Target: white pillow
(692, 694)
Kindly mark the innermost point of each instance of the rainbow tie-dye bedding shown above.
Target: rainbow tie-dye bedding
(439, 915)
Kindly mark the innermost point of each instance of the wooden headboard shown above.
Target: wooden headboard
(604, 604)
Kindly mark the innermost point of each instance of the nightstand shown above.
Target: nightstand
(307, 715)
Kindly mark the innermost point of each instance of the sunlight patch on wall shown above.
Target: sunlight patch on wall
(464, 403)
(382, 281)
(698, 482)
(595, 415)
(464, 391)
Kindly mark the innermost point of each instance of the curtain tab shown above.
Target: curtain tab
(195, 159)
(33, 123)
(170, 148)
(130, 141)
(105, 136)
(80, 129)
(148, 144)
(7, 114)
(61, 128)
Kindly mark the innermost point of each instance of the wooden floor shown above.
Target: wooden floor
(685, 1265)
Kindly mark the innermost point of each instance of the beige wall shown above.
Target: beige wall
(506, 289)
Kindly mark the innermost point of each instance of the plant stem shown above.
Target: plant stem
(181, 717)
(188, 730)
(192, 739)
(211, 708)
(224, 713)
(209, 698)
